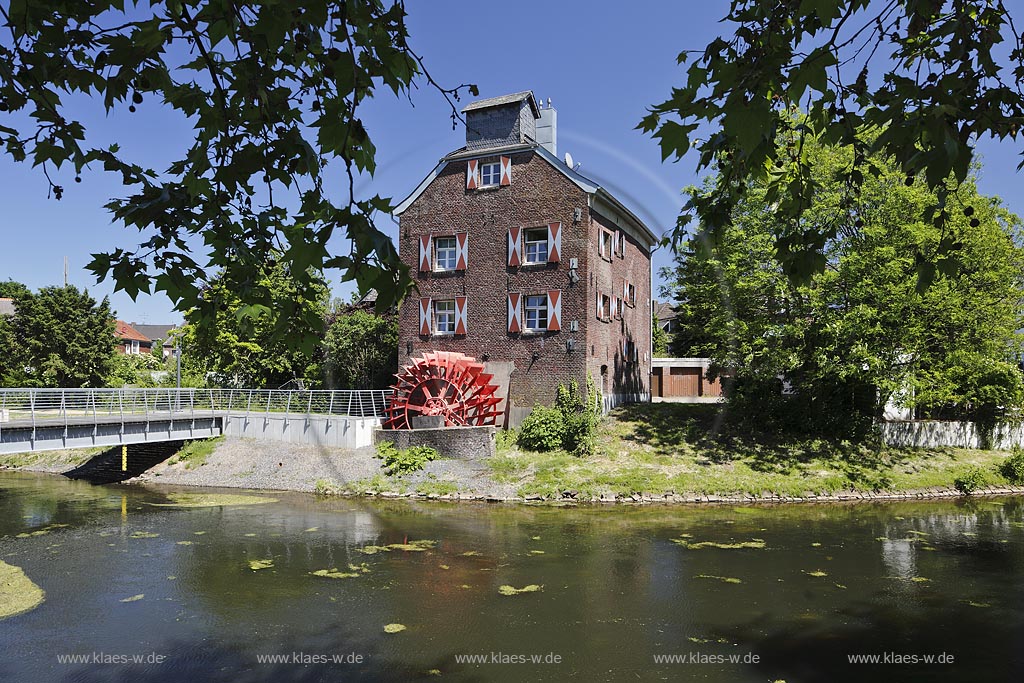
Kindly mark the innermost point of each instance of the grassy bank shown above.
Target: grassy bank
(677, 448)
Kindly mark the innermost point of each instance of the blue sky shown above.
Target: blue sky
(600, 64)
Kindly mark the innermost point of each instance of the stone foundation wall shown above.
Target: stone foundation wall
(459, 443)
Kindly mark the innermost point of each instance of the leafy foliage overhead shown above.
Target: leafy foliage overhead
(273, 89)
(928, 77)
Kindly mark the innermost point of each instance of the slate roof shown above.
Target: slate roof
(505, 99)
(664, 311)
(161, 332)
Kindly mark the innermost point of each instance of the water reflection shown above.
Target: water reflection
(916, 577)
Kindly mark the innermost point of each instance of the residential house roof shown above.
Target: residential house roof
(664, 311)
(125, 331)
(505, 99)
(589, 186)
(161, 332)
(7, 307)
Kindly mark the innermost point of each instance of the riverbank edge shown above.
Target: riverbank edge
(692, 499)
(200, 477)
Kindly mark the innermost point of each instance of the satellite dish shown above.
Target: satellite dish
(568, 160)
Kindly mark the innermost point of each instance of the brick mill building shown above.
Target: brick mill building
(526, 264)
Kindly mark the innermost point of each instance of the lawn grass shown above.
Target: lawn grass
(688, 449)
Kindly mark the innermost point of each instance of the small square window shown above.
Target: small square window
(444, 253)
(537, 245)
(490, 174)
(537, 313)
(444, 317)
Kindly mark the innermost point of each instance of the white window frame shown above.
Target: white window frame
(485, 171)
(133, 346)
(540, 312)
(450, 254)
(444, 317)
(527, 243)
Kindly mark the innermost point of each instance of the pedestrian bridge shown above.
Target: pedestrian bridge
(34, 420)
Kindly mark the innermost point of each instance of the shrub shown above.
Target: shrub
(402, 461)
(1013, 467)
(542, 429)
(970, 481)
(570, 425)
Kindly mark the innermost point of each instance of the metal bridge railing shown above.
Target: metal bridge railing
(62, 405)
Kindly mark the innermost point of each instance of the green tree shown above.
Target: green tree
(659, 339)
(273, 91)
(61, 338)
(133, 370)
(244, 346)
(953, 76)
(360, 351)
(9, 289)
(862, 331)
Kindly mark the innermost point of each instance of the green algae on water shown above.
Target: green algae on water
(133, 598)
(512, 590)
(754, 543)
(394, 628)
(17, 592)
(723, 579)
(143, 534)
(354, 570)
(209, 500)
(817, 573)
(257, 565)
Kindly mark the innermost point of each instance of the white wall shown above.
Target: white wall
(932, 434)
(339, 432)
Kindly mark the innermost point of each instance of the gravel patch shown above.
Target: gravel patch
(252, 464)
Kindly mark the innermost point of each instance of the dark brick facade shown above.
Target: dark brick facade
(539, 194)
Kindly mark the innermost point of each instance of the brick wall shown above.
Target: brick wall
(604, 338)
(538, 195)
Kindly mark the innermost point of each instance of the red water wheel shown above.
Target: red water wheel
(452, 385)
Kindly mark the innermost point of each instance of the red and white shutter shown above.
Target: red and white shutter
(515, 246)
(461, 250)
(472, 174)
(554, 310)
(625, 291)
(460, 315)
(425, 316)
(506, 170)
(554, 242)
(615, 242)
(426, 248)
(599, 316)
(515, 316)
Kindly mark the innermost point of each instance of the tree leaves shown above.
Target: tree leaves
(947, 83)
(273, 91)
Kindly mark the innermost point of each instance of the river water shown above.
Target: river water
(616, 599)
